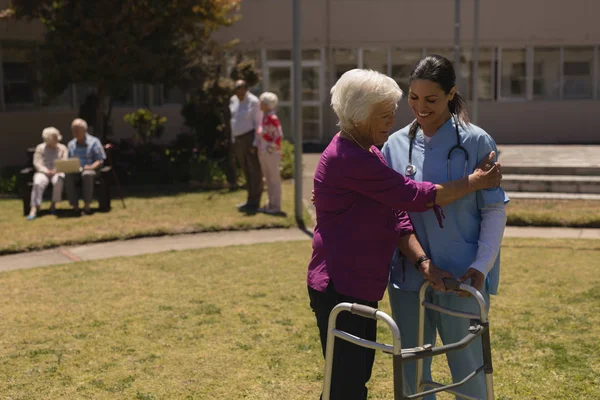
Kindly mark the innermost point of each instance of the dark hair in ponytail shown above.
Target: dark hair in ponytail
(438, 69)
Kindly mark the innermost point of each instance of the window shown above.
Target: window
(403, 62)
(486, 78)
(310, 83)
(375, 59)
(444, 52)
(173, 95)
(463, 72)
(124, 98)
(280, 83)
(344, 60)
(310, 122)
(311, 54)
(18, 75)
(546, 73)
(253, 55)
(279, 54)
(64, 99)
(142, 96)
(577, 73)
(17, 87)
(513, 81)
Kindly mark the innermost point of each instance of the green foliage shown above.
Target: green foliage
(246, 70)
(287, 160)
(11, 180)
(208, 115)
(207, 171)
(113, 43)
(8, 184)
(147, 125)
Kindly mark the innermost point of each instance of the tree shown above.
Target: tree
(112, 43)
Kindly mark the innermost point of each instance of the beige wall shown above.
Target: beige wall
(527, 122)
(19, 30)
(417, 23)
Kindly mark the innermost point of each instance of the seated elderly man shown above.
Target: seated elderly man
(43, 161)
(91, 154)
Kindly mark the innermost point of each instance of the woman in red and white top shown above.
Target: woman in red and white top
(269, 151)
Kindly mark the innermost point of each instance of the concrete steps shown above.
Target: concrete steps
(551, 183)
(553, 196)
(550, 170)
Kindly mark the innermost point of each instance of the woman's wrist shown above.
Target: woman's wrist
(422, 263)
(474, 181)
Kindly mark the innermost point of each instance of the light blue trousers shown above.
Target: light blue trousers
(405, 310)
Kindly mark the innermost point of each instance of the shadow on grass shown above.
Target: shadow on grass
(149, 191)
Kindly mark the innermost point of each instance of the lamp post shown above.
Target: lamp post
(297, 110)
(475, 77)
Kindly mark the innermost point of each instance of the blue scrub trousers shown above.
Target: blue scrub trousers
(405, 310)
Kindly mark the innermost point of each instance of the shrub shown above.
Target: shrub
(147, 125)
(8, 184)
(287, 160)
(207, 172)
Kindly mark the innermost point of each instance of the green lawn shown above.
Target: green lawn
(569, 213)
(144, 216)
(234, 323)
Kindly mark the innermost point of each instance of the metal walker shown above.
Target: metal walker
(480, 327)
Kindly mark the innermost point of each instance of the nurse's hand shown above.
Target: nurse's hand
(434, 275)
(477, 280)
(487, 174)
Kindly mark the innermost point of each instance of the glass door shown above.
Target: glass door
(279, 81)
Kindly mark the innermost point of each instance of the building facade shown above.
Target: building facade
(538, 71)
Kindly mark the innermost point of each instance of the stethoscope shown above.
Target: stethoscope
(411, 169)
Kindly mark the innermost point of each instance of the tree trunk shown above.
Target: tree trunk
(100, 128)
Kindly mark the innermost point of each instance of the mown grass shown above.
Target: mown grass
(144, 216)
(554, 213)
(234, 323)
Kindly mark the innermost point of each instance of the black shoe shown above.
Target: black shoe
(247, 207)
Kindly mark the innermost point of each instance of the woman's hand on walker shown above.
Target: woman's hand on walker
(312, 198)
(434, 275)
(487, 174)
(477, 280)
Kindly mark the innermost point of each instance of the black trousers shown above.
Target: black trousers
(249, 162)
(352, 365)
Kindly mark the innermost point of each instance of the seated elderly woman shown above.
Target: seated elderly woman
(361, 207)
(43, 161)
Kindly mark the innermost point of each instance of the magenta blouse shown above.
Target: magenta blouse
(361, 208)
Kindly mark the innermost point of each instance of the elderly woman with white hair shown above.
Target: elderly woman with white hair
(43, 161)
(361, 207)
(269, 151)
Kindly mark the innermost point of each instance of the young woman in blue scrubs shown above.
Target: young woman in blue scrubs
(440, 145)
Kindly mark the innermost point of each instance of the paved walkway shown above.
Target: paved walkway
(136, 247)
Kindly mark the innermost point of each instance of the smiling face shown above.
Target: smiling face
(376, 129)
(429, 104)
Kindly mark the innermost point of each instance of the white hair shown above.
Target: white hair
(269, 99)
(51, 132)
(357, 91)
(79, 122)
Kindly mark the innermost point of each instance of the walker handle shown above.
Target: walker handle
(451, 284)
(364, 311)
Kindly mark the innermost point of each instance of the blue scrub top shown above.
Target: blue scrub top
(453, 248)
